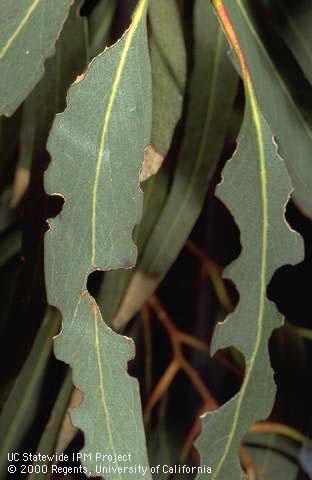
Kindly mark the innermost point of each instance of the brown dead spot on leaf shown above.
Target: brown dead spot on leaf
(79, 78)
(94, 309)
(151, 163)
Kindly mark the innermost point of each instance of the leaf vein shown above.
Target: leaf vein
(122, 61)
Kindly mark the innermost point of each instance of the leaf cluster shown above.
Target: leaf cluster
(155, 206)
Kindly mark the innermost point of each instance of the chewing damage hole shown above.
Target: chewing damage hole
(94, 283)
(233, 294)
(290, 354)
(288, 287)
(54, 206)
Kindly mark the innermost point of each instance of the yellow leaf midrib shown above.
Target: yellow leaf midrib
(101, 383)
(252, 99)
(276, 72)
(138, 14)
(262, 291)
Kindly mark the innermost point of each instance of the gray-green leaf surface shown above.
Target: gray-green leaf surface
(100, 24)
(257, 205)
(274, 456)
(204, 136)
(205, 129)
(97, 148)
(48, 438)
(289, 125)
(168, 57)
(20, 408)
(255, 188)
(28, 31)
(69, 60)
(297, 32)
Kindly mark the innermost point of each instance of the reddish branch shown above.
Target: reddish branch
(178, 361)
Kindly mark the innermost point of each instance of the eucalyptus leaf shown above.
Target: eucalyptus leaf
(27, 133)
(284, 115)
(70, 59)
(168, 58)
(297, 32)
(93, 159)
(205, 129)
(119, 293)
(20, 408)
(28, 31)
(255, 188)
(100, 24)
(168, 61)
(49, 436)
(274, 456)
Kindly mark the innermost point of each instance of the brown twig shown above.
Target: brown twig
(213, 270)
(161, 387)
(251, 469)
(178, 362)
(281, 429)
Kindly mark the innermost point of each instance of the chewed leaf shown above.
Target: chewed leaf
(97, 148)
(206, 125)
(109, 391)
(256, 188)
(288, 121)
(28, 31)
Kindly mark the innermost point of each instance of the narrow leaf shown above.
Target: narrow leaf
(97, 147)
(100, 24)
(297, 32)
(28, 31)
(125, 290)
(255, 188)
(205, 129)
(49, 436)
(19, 410)
(273, 456)
(204, 135)
(287, 120)
(70, 59)
(27, 133)
(26, 150)
(168, 58)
